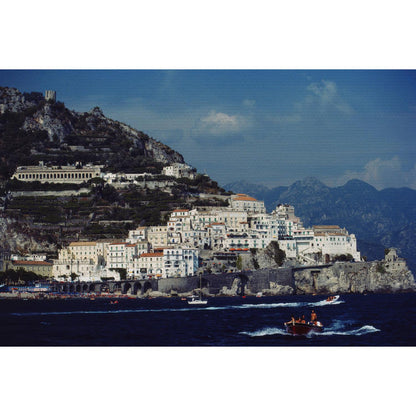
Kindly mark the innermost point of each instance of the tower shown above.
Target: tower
(50, 95)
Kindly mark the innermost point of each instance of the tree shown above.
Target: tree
(239, 263)
(273, 250)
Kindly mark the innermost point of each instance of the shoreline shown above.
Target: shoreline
(112, 297)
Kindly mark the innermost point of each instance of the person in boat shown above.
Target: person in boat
(292, 321)
(303, 320)
(314, 317)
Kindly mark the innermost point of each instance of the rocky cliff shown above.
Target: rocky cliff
(32, 129)
(388, 275)
(371, 277)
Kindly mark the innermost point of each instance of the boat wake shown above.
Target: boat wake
(364, 330)
(183, 309)
(265, 332)
(186, 309)
(325, 303)
(337, 328)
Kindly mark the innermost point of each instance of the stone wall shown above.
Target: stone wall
(372, 277)
(73, 192)
(267, 281)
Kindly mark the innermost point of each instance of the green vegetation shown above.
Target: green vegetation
(16, 185)
(121, 272)
(343, 257)
(278, 255)
(19, 276)
(239, 263)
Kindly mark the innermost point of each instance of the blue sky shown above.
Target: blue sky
(264, 126)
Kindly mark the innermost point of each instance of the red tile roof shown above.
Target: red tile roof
(31, 263)
(245, 198)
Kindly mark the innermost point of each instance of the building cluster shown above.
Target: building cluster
(180, 247)
(175, 249)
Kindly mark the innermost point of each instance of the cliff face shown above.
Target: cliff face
(372, 277)
(21, 238)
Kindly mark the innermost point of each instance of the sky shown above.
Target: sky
(270, 127)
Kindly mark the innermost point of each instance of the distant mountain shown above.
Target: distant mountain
(379, 219)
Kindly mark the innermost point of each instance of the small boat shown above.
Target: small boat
(195, 300)
(332, 299)
(259, 295)
(298, 328)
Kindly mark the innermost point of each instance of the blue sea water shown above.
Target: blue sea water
(354, 320)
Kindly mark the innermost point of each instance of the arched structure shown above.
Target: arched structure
(126, 288)
(146, 287)
(240, 283)
(137, 287)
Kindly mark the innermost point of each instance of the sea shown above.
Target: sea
(353, 320)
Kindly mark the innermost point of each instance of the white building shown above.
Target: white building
(57, 174)
(139, 234)
(149, 265)
(235, 220)
(180, 261)
(243, 202)
(121, 255)
(157, 236)
(179, 170)
(246, 241)
(333, 241)
(320, 242)
(82, 270)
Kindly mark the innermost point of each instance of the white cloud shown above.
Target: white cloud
(217, 123)
(383, 174)
(322, 97)
(326, 90)
(325, 97)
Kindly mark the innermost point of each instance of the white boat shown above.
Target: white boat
(259, 295)
(332, 299)
(195, 300)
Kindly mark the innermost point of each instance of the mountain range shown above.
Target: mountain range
(379, 219)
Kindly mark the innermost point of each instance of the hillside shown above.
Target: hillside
(42, 217)
(33, 130)
(379, 219)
